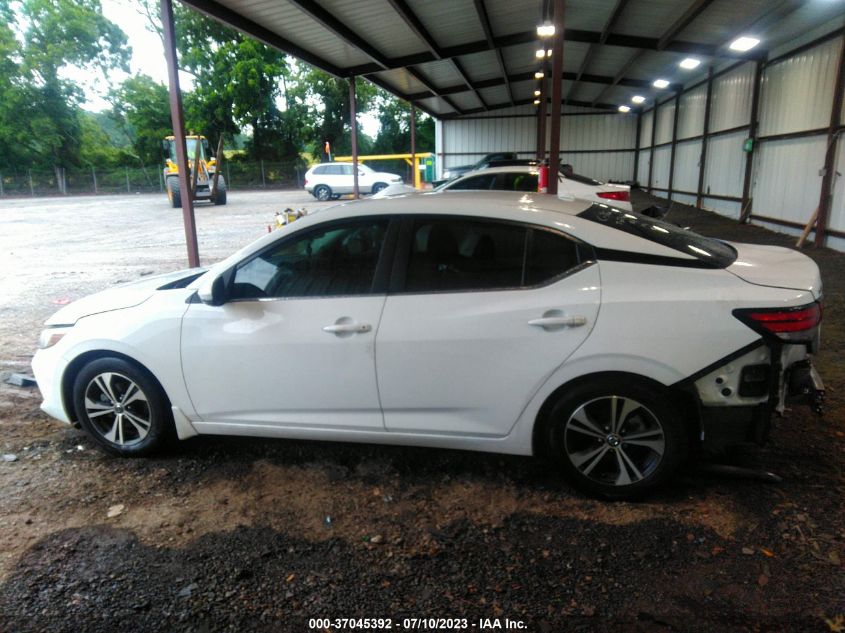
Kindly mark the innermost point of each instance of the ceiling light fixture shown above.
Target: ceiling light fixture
(624, 108)
(660, 83)
(539, 74)
(744, 43)
(638, 99)
(540, 53)
(537, 93)
(689, 63)
(546, 29)
(536, 102)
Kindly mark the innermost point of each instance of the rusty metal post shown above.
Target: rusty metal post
(178, 120)
(653, 141)
(541, 121)
(353, 130)
(557, 80)
(702, 165)
(415, 176)
(637, 146)
(674, 144)
(829, 178)
(747, 201)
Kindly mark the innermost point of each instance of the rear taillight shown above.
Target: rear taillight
(614, 195)
(788, 324)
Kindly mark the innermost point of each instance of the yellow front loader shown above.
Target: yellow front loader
(206, 182)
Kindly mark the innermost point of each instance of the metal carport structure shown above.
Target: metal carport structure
(464, 58)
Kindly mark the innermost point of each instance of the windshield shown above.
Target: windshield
(191, 144)
(707, 250)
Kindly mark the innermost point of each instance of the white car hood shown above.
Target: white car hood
(119, 297)
(776, 266)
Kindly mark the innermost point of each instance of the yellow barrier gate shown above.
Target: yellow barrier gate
(408, 158)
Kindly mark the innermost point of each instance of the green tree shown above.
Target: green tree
(55, 34)
(142, 108)
(326, 101)
(394, 135)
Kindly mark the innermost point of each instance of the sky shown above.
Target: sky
(148, 59)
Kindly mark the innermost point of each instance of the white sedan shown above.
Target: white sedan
(610, 342)
(570, 186)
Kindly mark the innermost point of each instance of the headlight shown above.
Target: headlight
(51, 336)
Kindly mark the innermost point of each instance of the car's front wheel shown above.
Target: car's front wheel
(322, 192)
(378, 187)
(616, 438)
(122, 407)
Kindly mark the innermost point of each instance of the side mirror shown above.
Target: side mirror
(213, 291)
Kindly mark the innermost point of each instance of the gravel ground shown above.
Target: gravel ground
(257, 535)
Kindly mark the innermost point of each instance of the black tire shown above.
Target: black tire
(174, 194)
(649, 440)
(378, 187)
(220, 200)
(322, 193)
(138, 421)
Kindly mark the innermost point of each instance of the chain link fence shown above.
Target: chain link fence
(131, 180)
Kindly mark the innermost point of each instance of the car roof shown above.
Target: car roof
(527, 207)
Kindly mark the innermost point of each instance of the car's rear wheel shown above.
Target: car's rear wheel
(616, 438)
(322, 192)
(122, 407)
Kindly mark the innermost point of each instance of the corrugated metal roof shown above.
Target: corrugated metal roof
(394, 40)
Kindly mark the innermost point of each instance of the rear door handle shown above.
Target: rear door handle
(348, 328)
(558, 321)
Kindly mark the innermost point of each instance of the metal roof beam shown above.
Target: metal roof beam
(413, 22)
(571, 35)
(695, 9)
(621, 74)
(605, 33)
(529, 76)
(228, 17)
(434, 90)
(327, 19)
(484, 18)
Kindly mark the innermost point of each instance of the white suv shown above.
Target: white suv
(332, 180)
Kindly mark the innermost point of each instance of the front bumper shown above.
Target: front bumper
(48, 367)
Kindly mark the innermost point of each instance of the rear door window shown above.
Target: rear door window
(482, 181)
(467, 254)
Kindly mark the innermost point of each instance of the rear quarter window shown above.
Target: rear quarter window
(710, 252)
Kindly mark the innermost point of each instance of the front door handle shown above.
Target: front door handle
(347, 328)
(558, 321)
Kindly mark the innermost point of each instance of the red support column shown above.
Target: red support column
(178, 120)
(353, 127)
(556, 80)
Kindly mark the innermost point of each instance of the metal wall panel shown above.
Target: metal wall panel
(603, 165)
(787, 181)
(797, 93)
(722, 207)
(600, 131)
(725, 169)
(691, 114)
(730, 104)
(642, 168)
(684, 199)
(467, 140)
(645, 129)
(665, 121)
(687, 157)
(660, 173)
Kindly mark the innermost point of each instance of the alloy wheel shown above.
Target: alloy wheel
(118, 409)
(614, 440)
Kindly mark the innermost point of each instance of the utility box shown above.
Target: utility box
(428, 171)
